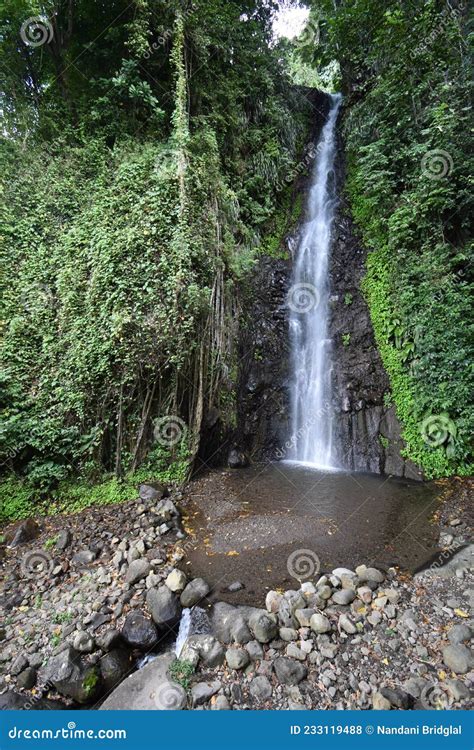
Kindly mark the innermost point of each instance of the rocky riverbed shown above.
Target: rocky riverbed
(92, 605)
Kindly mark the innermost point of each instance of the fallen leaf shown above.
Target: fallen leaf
(461, 613)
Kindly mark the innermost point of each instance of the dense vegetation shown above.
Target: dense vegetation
(406, 76)
(143, 146)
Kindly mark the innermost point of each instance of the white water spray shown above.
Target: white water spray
(311, 413)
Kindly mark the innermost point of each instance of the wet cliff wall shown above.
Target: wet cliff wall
(366, 428)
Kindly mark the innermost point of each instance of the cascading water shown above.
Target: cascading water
(311, 417)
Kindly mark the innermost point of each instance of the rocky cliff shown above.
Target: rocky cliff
(366, 427)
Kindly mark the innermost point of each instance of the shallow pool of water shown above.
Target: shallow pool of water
(249, 522)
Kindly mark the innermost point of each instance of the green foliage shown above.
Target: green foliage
(50, 543)
(346, 339)
(139, 180)
(348, 299)
(181, 671)
(406, 77)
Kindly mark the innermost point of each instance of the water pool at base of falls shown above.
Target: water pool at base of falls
(253, 519)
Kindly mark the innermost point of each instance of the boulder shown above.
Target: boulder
(137, 570)
(22, 532)
(460, 633)
(260, 688)
(289, 672)
(164, 606)
(144, 690)
(151, 492)
(237, 459)
(319, 623)
(27, 679)
(176, 580)
(202, 691)
(71, 676)
(139, 631)
(195, 591)
(237, 658)
(114, 667)
(458, 658)
(263, 626)
(208, 648)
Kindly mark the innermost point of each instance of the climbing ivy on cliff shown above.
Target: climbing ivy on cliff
(141, 149)
(406, 76)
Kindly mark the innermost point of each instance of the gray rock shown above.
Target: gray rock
(294, 652)
(458, 658)
(109, 640)
(414, 686)
(114, 667)
(19, 664)
(263, 626)
(164, 606)
(460, 633)
(208, 648)
(458, 690)
(289, 672)
(194, 592)
(137, 570)
(235, 586)
(380, 703)
(27, 679)
(203, 691)
(303, 616)
(319, 623)
(63, 540)
(288, 634)
(345, 596)
(176, 580)
(237, 658)
(369, 574)
(151, 492)
(221, 704)
(145, 690)
(260, 688)
(347, 625)
(84, 557)
(139, 631)
(23, 532)
(72, 677)
(254, 650)
(83, 642)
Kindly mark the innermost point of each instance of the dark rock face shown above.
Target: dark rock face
(139, 632)
(365, 428)
(263, 419)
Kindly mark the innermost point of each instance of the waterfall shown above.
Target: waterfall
(308, 300)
